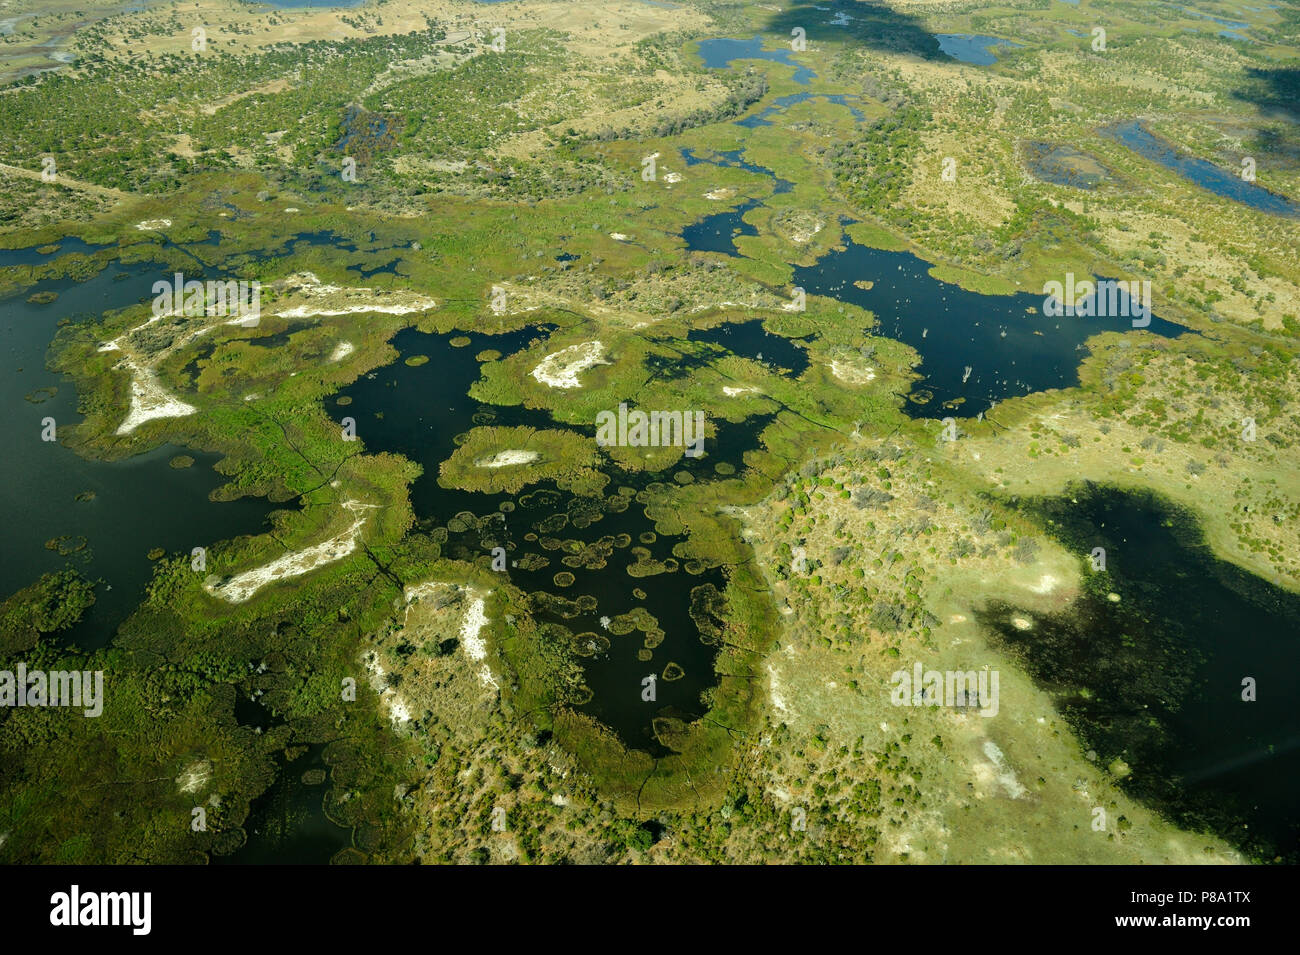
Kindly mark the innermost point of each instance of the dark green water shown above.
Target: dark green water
(1009, 345)
(132, 506)
(424, 407)
(287, 824)
(751, 340)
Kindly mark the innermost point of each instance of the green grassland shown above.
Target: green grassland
(475, 169)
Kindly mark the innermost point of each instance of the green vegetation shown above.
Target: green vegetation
(497, 460)
(506, 186)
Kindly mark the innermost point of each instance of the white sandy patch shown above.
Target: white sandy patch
(731, 392)
(399, 712)
(719, 194)
(803, 235)
(621, 237)
(420, 591)
(149, 400)
(672, 177)
(775, 691)
(116, 343)
(471, 630)
(1022, 623)
(1046, 584)
(780, 794)
(326, 300)
(1005, 775)
(308, 311)
(342, 350)
(471, 638)
(194, 776)
(149, 225)
(852, 374)
(242, 586)
(470, 634)
(561, 369)
(503, 459)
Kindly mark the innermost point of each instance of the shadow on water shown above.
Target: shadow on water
(1156, 678)
(869, 27)
(972, 48)
(287, 824)
(1276, 93)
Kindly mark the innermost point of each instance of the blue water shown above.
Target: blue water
(1011, 351)
(417, 411)
(30, 255)
(972, 47)
(782, 103)
(1221, 182)
(1235, 24)
(717, 232)
(731, 158)
(751, 340)
(720, 52)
